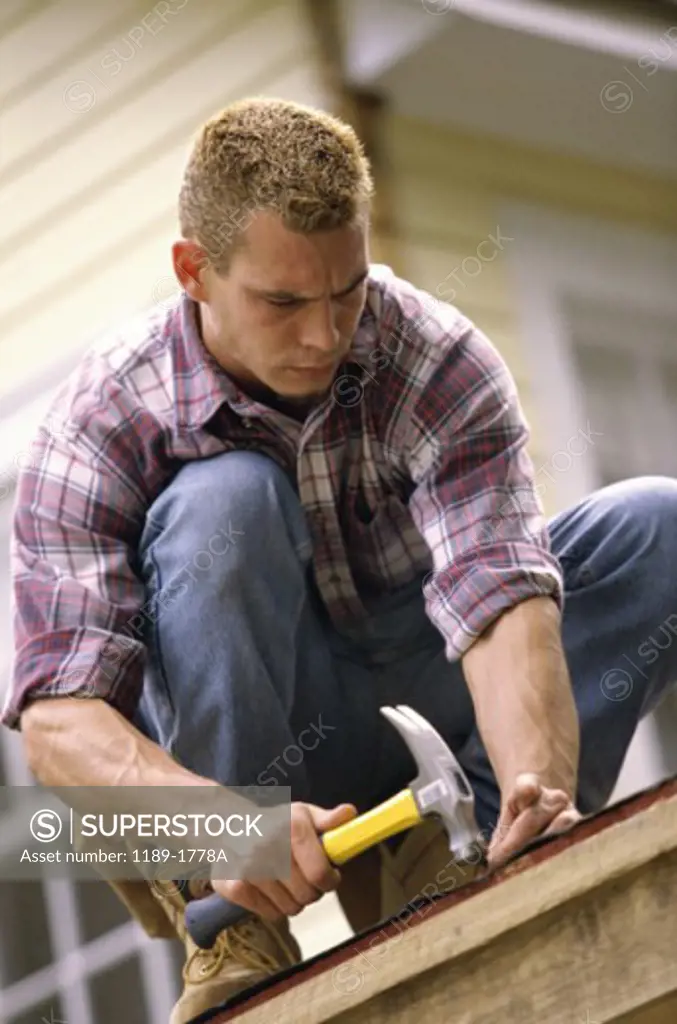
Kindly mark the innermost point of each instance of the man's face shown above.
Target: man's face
(284, 314)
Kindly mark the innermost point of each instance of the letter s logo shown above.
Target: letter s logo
(46, 826)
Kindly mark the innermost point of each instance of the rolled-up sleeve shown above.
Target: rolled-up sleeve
(475, 500)
(78, 513)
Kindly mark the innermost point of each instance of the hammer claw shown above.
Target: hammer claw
(419, 735)
(423, 726)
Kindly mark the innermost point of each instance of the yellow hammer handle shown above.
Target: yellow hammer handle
(393, 816)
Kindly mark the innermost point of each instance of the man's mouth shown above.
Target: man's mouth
(313, 369)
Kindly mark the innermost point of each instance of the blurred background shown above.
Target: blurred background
(525, 156)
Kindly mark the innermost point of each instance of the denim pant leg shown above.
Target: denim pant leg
(618, 550)
(241, 686)
(408, 664)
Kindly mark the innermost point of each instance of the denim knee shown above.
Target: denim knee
(651, 497)
(626, 530)
(234, 499)
(644, 510)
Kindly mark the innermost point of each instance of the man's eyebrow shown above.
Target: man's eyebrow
(283, 296)
(353, 284)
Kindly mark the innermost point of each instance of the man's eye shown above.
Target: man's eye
(286, 303)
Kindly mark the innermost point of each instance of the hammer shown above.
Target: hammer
(440, 789)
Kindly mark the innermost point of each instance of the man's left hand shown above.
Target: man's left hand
(530, 809)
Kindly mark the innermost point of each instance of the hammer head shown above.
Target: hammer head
(441, 787)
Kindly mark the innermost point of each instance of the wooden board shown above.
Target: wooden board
(581, 928)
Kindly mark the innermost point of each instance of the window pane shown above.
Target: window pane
(50, 1011)
(612, 405)
(99, 908)
(626, 362)
(118, 995)
(24, 937)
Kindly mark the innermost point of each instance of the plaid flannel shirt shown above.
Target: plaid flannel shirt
(414, 466)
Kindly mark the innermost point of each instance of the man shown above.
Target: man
(302, 492)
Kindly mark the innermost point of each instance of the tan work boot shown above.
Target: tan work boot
(420, 868)
(242, 955)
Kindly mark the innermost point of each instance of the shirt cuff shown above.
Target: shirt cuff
(464, 609)
(79, 664)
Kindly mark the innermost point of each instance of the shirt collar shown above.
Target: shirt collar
(201, 386)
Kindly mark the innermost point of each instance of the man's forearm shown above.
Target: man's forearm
(519, 682)
(87, 742)
(106, 765)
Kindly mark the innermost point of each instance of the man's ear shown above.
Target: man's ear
(191, 262)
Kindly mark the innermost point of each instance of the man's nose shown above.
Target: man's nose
(321, 331)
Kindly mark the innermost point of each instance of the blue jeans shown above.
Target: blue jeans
(248, 683)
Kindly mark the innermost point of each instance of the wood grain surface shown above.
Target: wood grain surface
(581, 929)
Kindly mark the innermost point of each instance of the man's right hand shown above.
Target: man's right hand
(312, 872)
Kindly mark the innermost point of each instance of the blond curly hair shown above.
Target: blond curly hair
(264, 153)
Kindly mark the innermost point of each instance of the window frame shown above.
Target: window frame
(553, 257)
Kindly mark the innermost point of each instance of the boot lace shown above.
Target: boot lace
(237, 943)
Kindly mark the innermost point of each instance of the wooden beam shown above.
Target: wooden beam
(581, 928)
(365, 111)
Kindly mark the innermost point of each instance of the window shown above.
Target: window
(627, 368)
(597, 308)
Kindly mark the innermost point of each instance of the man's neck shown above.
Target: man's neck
(296, 409)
